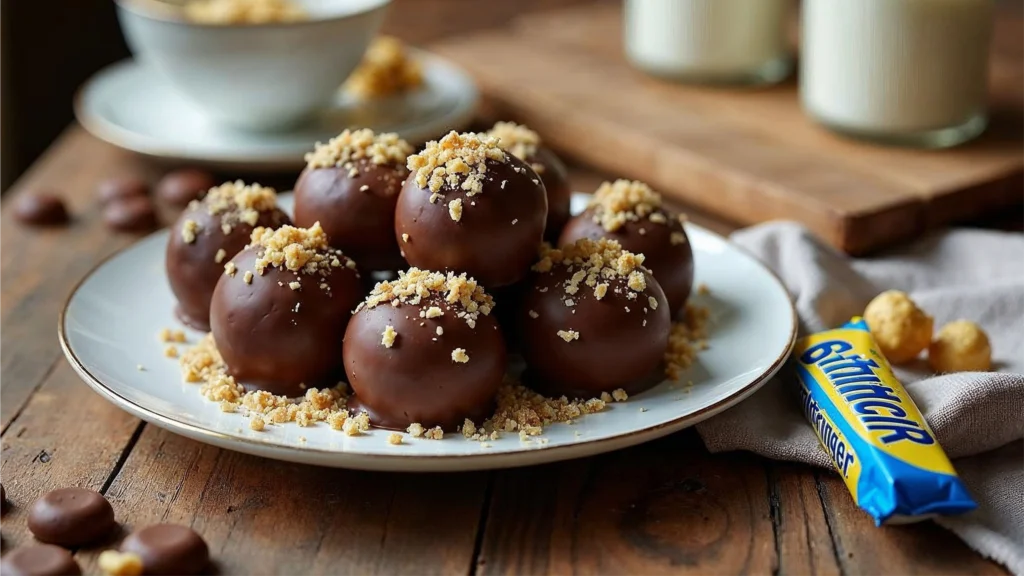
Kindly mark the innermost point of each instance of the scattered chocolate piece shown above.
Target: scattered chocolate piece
(71, 517)
(134, 214)
(168, 549)
(180, 187)
(40, 209)
(39, 560)
(121, 187)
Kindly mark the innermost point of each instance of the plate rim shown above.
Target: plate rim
(121, 137)
(427, 462)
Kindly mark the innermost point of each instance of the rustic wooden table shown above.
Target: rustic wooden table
(665, 507)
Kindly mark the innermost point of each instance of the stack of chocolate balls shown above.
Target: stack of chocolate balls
(460, 227)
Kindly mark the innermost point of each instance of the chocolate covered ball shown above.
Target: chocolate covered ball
(207, 235)
(39, 560)
(40, 208)
(130, 214)
(633, 215)
(426, 349)
(168, 549)
(180, 187)
(592, 319)
(470, 207)
(351, 186)
(526, 145)
(71, 517)
(121, 187)
(279, 312)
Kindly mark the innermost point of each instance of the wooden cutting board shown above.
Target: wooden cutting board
(749, 155)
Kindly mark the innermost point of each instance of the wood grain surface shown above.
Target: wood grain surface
(749, 155)
(667, 507)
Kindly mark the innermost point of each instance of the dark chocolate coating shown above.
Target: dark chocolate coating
(193, 270)
(121, 187)
(555, 176)
(71, 517)
(361, 223)
(416, 379)
(484, 243)
(131, 214)
(40, 208)
(180, 187)
(671, 264)
(168, 549)
(266, 343)
(39, 560)
(615, 348)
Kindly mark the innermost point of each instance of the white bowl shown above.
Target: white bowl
(257, 77)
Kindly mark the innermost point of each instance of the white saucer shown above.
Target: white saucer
(131, 106)
(110, 323)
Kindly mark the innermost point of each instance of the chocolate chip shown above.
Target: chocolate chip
(121, 187)
(180, 187)
(134, 214)
(39, 560)
(71, 517)
(168, 549)
(40, 208)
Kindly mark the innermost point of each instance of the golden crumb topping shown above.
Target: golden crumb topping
(226, 12)
(386, 69)
(349, 146)
(615, 203)
(516, 139)
(459, 355)
(687, 337)
(460, 295)
(237, 203)
(302, 250)
(458, 161)
(389, 336)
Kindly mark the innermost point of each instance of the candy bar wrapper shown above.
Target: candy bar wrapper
(875, 435)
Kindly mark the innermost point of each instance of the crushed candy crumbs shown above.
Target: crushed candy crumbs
(458, 161)
(237, 203)
(394, 438)
(352, 146)
(460, 295)
(568, 335)
(621, 201)
(518, 140)
(386, 68)
(388, 337)
(459, 355)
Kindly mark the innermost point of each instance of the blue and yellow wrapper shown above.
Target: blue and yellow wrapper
(871, 429)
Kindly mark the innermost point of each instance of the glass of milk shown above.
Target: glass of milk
(907, 72)
(717, 41)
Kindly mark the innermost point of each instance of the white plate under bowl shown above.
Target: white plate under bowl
(131, 106)
(110, 323)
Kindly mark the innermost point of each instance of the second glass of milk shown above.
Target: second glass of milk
(910, 72)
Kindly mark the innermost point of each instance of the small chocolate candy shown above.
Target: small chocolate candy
(71, 517)
(134, 214)
(180, 187)
(121, 187)
(168, 549)
(40, 208)
(39, 560)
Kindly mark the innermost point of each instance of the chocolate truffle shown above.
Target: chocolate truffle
(526, 145)
(279, 312)
(121, 187)
(468, 206)
(131, 214)
(39, 208)
(180, 187)
(71, 517)
(632, 214)
(351, 185)
(168, 549)
(208, 234)
(425, 348)
(39, 560)
(592, 320)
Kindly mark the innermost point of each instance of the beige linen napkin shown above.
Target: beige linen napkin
(978, 417)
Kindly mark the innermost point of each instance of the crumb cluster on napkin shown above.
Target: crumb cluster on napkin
(978, 417)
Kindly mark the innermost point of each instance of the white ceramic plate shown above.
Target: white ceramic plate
(110, 323)
(131, 106)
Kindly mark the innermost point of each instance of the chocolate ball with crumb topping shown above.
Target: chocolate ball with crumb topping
(351, 186)
(526, 145)
(206, 236)
(279, 312)
(592, 319)
(633, 215)
(425, 349)
(470, 207)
